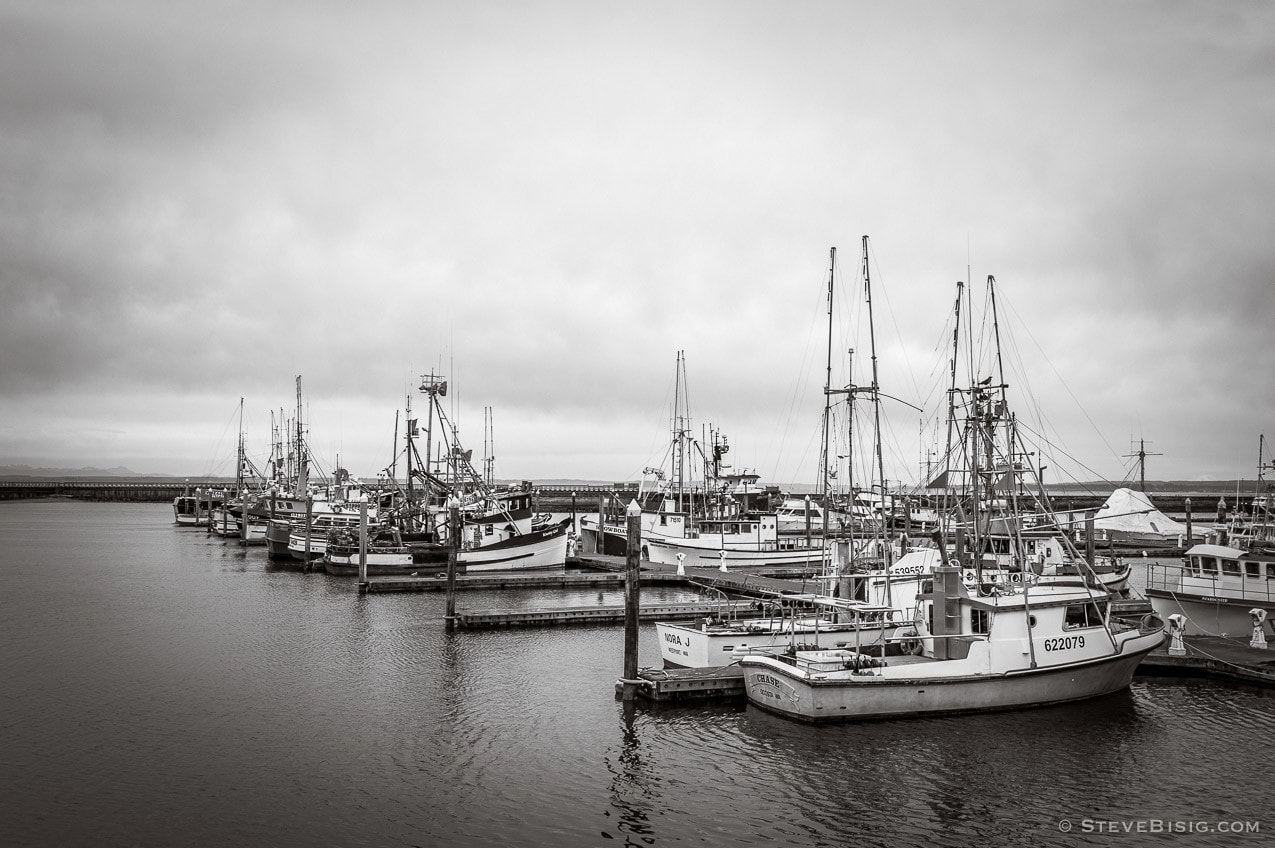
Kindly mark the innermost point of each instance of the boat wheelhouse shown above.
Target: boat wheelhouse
(1215, 587)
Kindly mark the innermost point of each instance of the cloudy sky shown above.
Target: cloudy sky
(545, 202)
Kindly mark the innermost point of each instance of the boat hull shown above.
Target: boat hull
(538, 549)
(833, 700)
(1210, 616)
(684, 646)
(379, 563)
(665, 553)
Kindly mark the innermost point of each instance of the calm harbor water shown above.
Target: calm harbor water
(161, 687)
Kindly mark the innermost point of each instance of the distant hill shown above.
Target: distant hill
(10, 472)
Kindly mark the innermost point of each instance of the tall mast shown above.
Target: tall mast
(827, 396)
(951, 395)
(411, 426)
(489, 445)
(303, 464)
(240, 460)
(876, 390)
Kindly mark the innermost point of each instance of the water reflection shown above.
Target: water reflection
(634, 787)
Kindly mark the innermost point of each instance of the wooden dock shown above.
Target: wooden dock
(610, 614)
(1207, 656)
(687, 685)
(508, 580)
(1214, 656)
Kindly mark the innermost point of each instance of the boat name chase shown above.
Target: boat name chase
(768, 680)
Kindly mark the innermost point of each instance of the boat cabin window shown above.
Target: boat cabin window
(1231, 568)
(487, 529)
(1208, 565)
(980, 620)
(1253, 569)
(1082, 615)
(1270, 571)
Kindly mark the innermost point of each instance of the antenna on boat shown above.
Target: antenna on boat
(1141, 455)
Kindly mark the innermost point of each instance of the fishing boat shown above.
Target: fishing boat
(1017, 638)
(537, 548)
(1216, 587)
(193, 510)
(692, 484)
(742, 542)
(793, 622)
(1016, 648)
(383, 553)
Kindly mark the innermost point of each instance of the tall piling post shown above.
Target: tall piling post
(1089, 541)
(453, 538)
(808, 541)
(243, 521)
(1186, 543)
(362, 545)
(309, 522)
(599, 543)
(632, 600)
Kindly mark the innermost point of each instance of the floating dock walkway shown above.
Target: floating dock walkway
(1207, 656)
(1214, 656)
(595, 614)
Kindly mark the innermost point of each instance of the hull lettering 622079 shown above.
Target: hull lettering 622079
(1063, 643)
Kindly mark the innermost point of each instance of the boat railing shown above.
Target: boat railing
(1243, 587)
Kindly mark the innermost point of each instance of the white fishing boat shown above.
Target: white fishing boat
(797, 515)
(1216, 587)
(193, 510)
(540, 548)
(1017, 648)
(743, 542)
(1028, 640)
(793, 622)
(383, 553)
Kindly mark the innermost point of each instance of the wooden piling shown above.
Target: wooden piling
(632, 601)
(808, 543)
(453, 536)
(1186, 543)
(1089, 542)
(362, 543)
(309, 516)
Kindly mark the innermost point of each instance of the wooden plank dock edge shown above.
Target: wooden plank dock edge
(1214, 656)
(610, 614)
(686, 685)
(435, 583)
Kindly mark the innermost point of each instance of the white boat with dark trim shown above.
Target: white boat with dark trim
(1018, 648)
(1216, 587)
(746, 541)
(792, 622)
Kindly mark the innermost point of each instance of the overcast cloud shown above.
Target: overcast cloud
(544, 202)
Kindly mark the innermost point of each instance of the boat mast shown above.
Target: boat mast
(489, 445)
(876, 427)
(876, 393)
(951, 402)
(411, 425)
(827, 398)
(240, 461)
(303, 470)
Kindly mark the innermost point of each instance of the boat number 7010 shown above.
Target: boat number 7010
(1063, 643)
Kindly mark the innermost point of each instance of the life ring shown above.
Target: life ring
(1015, 577)
(968, 576)
(911, 645)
